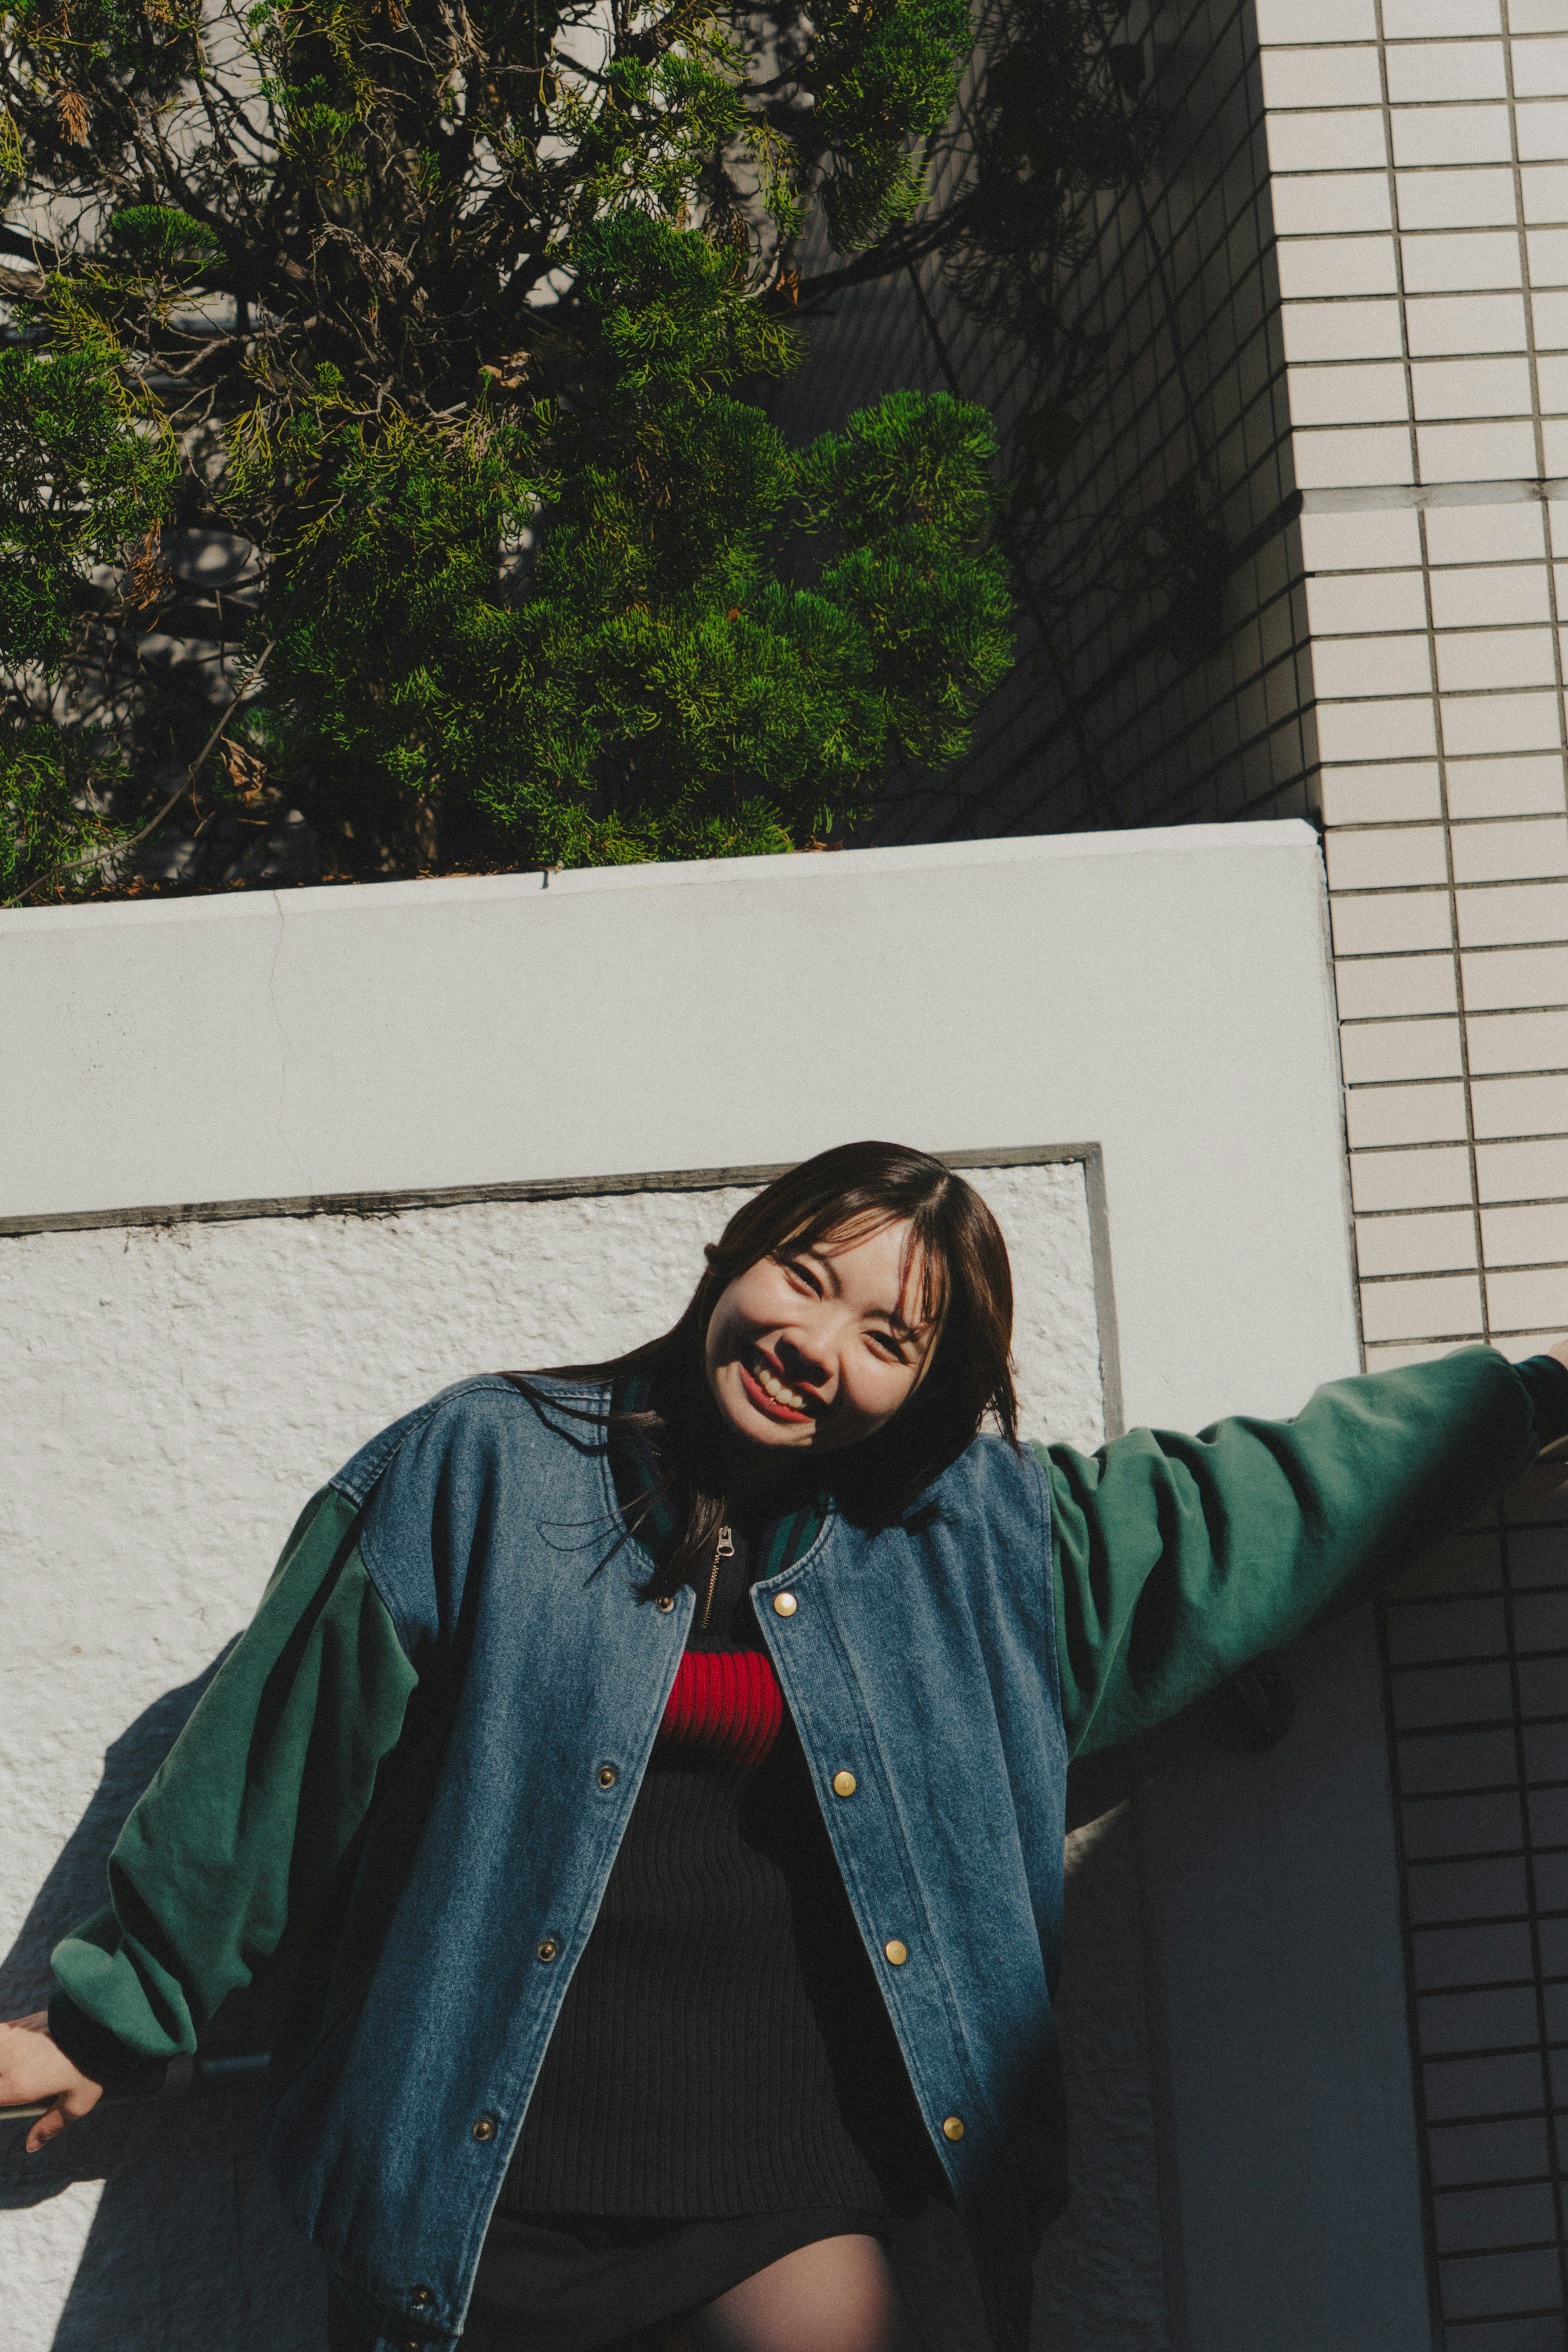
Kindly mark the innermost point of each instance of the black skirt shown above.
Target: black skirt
(575, 2283)
(583, 2282)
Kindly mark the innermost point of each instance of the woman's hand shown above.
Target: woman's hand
(33, 2068)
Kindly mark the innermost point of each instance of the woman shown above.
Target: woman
(654, 1773)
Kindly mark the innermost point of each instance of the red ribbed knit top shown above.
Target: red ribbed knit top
(725, 1704)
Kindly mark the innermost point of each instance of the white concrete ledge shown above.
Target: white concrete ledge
(1164, 993)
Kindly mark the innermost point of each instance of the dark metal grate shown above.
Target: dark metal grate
(1476, 1655)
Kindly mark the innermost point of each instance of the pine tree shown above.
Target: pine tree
(458, 312)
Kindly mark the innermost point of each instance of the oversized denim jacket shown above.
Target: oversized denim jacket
(401, 1767)
(920, 1658)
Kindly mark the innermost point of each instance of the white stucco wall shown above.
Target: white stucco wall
(172, 1389)
(172, 1395)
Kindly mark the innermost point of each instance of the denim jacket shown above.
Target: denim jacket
(417, 1763)
(920, 1660)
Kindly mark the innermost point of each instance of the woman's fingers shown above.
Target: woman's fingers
(68, 2109)
(46, 2129)
(32, 2067)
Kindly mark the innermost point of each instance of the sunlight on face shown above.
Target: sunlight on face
(819, 1348)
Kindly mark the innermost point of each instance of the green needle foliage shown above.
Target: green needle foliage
(458, 312)
(88, 476)
(82, 480)
(650, 685)
(52, 788)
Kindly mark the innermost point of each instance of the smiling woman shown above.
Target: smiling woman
(656, 1770)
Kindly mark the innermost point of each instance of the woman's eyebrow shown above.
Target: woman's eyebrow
(891, 1315)
(824, 1264)
(888, 1314)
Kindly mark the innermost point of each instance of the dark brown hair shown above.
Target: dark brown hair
(966, 1283)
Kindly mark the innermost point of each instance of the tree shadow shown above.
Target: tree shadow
(187, 2246)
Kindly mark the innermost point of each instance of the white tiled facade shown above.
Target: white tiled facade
(1424, 314)
(1420, 196)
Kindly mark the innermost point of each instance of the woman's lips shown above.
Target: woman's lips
(756, 1394)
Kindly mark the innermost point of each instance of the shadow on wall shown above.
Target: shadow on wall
(188, 2246)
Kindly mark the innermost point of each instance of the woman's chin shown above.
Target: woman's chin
(756, 1429)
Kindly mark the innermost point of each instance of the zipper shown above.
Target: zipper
(723, 1550)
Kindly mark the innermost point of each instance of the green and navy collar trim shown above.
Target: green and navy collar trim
(635, 1466)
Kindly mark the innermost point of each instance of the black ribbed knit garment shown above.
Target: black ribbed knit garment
(722, 2047)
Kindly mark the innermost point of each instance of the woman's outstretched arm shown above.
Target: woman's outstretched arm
(237, 1839)
(1178, 1558)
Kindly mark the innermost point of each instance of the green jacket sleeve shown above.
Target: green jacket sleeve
(1178, 1558)
(238, 1837)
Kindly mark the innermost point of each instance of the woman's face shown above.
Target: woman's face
(819, 1348)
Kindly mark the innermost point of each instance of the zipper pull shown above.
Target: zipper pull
(723, 1550)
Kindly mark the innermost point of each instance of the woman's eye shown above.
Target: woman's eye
(802, 1274)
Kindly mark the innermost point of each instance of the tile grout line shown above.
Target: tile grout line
(1555, 2150)
(1435, 694)
(1418, 2087)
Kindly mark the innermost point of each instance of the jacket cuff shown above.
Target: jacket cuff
(1546, 1384)
(98, 2053)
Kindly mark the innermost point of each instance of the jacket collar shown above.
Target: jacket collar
(637, 1470)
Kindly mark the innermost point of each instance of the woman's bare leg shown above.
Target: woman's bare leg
(835, 2295)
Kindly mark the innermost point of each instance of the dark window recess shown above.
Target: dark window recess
(1477, 1686)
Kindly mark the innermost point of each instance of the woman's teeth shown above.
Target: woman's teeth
(774, 1386)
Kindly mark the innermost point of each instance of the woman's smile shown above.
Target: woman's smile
(769, 1394)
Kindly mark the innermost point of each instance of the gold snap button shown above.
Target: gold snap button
(897, 1953)
(953, 2128)
(843, 1784)
(785, 1604)
(485, 2128)
(420, 2295)
(665, 1602)
(548, 1949)
(607, 1776)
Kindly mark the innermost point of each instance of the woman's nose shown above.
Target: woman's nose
(806, 1359)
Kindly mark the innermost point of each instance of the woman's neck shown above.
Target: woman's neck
(763, 1482)
(757, 1482)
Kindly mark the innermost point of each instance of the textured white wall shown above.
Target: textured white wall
(174, 1394)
